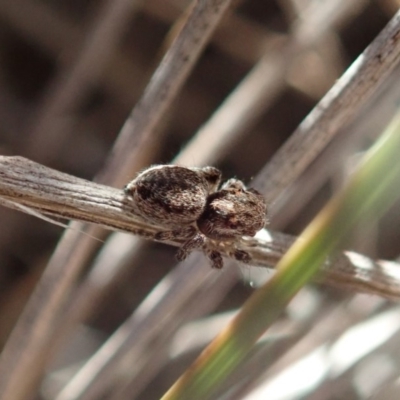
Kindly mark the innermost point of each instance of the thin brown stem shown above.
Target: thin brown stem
(25, 185)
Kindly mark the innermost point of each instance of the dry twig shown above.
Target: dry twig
(333, 112)
(24, 356)
(25, 185)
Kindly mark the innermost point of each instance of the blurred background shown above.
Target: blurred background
(70, 74)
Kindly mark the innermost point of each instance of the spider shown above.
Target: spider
(190, 204)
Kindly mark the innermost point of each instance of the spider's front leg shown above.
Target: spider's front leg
(196, 242)
(215, 257)
(187, 232)
(192, 240)
(217, 261)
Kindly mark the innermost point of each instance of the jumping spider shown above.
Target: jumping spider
(189, 204)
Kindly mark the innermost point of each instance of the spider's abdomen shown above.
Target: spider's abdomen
(169, 196)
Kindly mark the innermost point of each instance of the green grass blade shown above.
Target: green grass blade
(372, 188)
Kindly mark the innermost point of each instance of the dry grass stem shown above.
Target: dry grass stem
(346, 98)
(26, 356)
(161, 91)
(49, 134)
(102, 59)
(52, 193)
(367, 127)
(258, 90)
(167, 305)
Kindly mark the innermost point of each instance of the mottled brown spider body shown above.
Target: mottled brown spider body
(187, 203)
(233, 211)
(173, 196)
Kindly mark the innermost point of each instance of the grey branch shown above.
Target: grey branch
(33, 188)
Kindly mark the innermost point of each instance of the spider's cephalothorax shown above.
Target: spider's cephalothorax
(189, 205)
(233, 211)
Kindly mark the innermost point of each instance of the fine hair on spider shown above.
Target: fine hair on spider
(190, 205)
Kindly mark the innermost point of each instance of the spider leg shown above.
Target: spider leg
(215, 257)
(242, 256)
(182, 233)
(194, 242)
